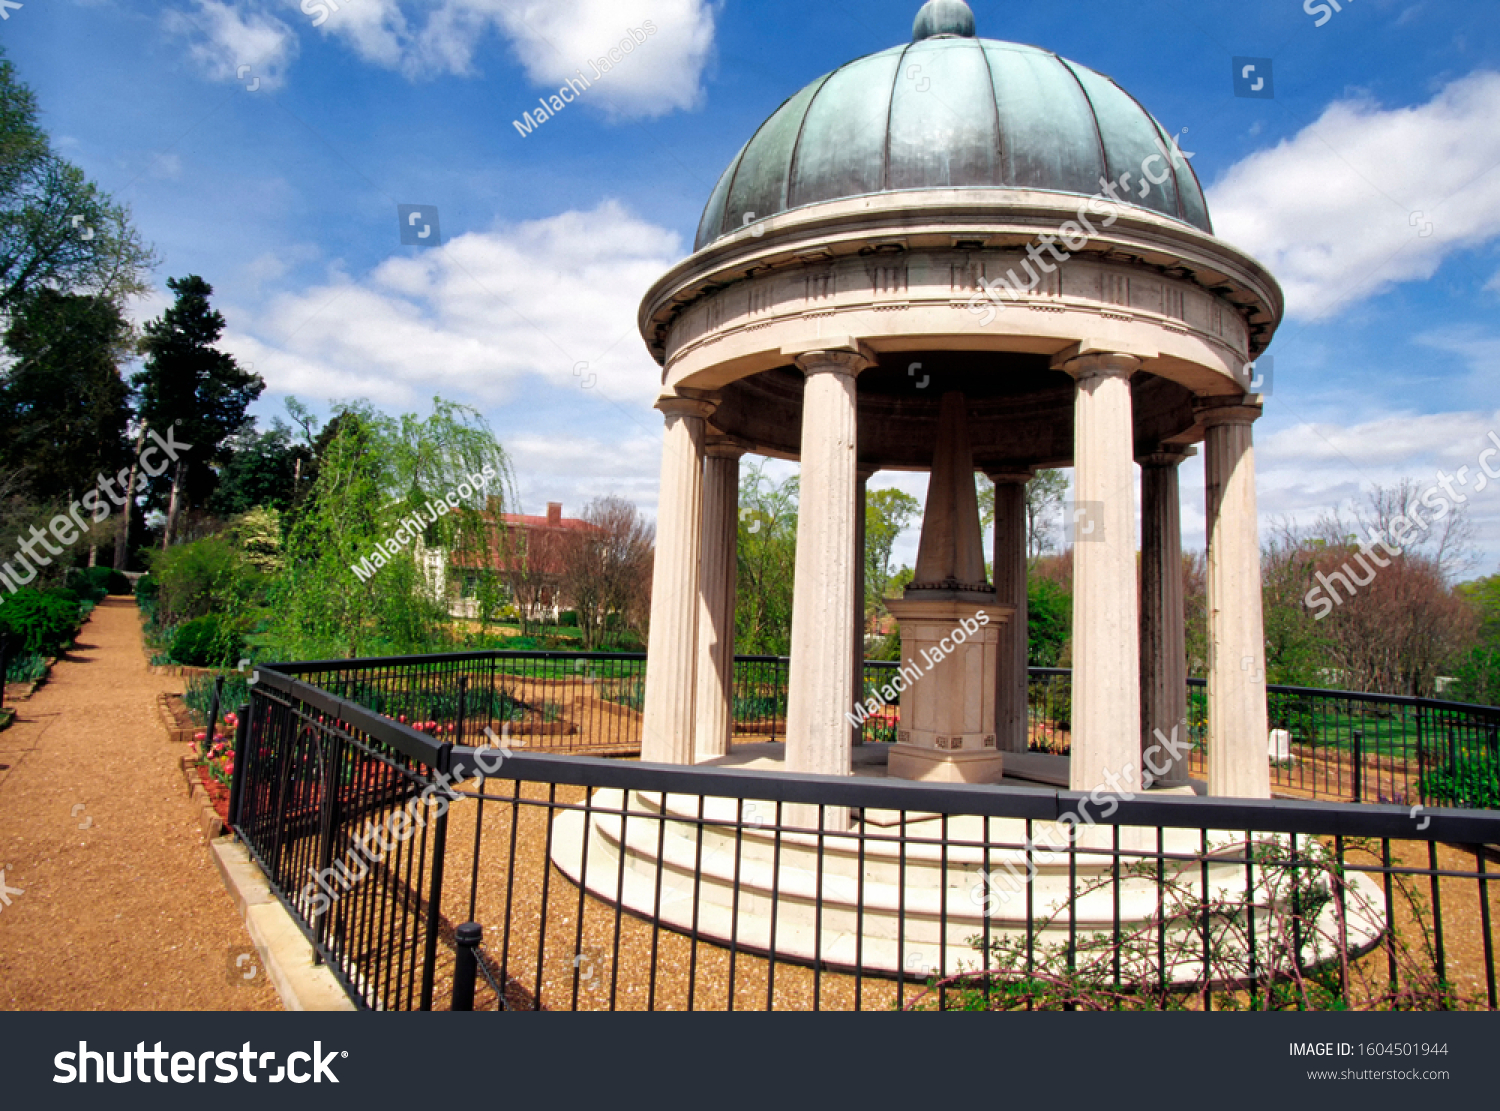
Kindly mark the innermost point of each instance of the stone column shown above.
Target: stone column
(717, 572)
(1238, 761)
(820, 689)
(671, 656)
(1163, 619)
(1012, 685)
(1106, 745)
(861, 489)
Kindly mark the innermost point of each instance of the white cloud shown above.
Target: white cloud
(225, 37)
(167, 167)
(494, 317)
(1366, 197)
(1307, 470)
(553, 40)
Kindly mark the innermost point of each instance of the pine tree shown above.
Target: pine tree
(194, 390)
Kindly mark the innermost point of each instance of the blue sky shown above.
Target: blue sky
(1385, 126)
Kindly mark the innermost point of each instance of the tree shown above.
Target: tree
(1044, 501)
(767, 557)
(533, 562)
(351, 585)
(1049, 623)
(1478, 672)
(58, 230)
(1298, 652)
(605, 565)
(260, 469)
(191, 392)
(63, 402)
(888, 513)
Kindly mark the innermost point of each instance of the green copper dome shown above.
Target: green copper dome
(951, 111)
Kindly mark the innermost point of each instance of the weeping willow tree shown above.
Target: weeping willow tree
(394, 502)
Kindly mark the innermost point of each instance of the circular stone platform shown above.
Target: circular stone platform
(855, 911)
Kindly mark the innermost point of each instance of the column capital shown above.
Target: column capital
(1102, 364)
(1215, 411)
(866, 471)
(688, 403)
(837, 355)
(1168, 455)
(1015, 476)
(723, 447)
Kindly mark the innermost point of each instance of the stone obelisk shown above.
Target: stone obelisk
(950, 620)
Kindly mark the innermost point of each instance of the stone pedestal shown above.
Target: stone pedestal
(948, 651)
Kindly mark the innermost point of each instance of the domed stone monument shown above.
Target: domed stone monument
(988, 223)
(957, 254)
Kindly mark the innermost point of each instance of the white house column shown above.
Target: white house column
(1106, 744)
(1238, 762)
(1163, 619)
(820, 686)
(1012, 685)
(672, 650)
(717, 568)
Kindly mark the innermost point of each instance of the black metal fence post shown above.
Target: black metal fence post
(213, 713)
(435, 894)
(241, 758)
(1359, 766)
(4, 665)
(466, 964)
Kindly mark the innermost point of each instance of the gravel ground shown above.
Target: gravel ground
(128, 913)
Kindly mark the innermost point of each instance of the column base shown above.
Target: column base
(915, 762)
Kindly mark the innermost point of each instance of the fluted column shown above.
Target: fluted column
(1238, 761)
(1012, 685)
(1106, 747)
(1163, 619)
(717, 572)
(861, 490)
(820, 689)
(672, 651)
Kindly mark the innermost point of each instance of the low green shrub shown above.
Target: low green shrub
(207, 641)
(87, 583)
(147, 587)
(42, 623)
(1471, 782)
(25, 669)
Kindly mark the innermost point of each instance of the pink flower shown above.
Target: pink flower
(200, 736)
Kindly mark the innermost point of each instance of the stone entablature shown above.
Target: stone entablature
(1196, 308)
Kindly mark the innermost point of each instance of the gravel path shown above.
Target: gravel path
(128, 913)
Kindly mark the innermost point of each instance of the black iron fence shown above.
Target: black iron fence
(428, 872)
(1337, 745)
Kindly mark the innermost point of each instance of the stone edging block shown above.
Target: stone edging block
(284, 950)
